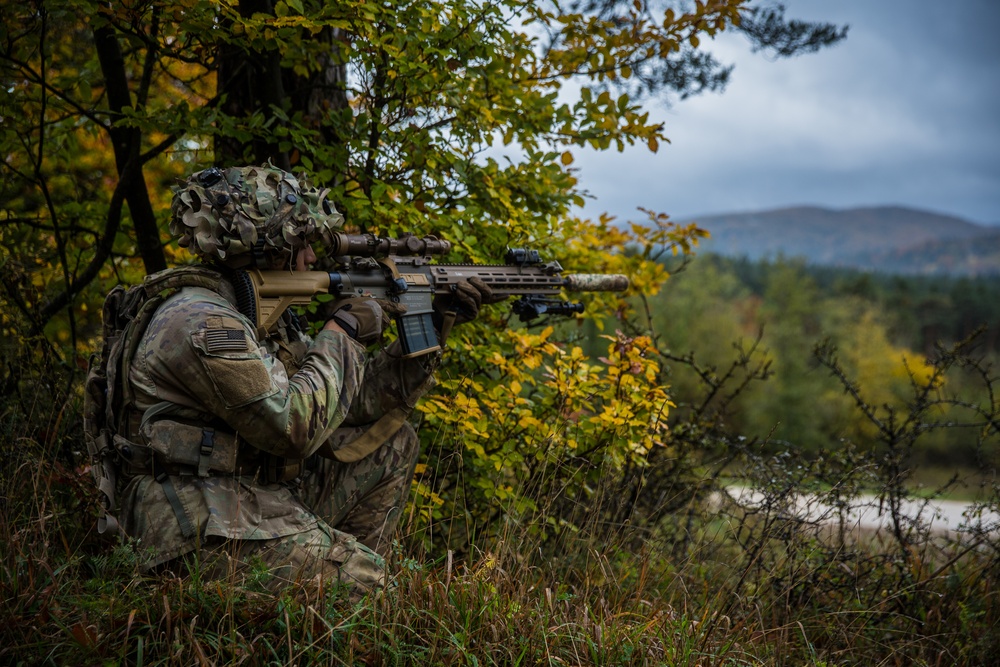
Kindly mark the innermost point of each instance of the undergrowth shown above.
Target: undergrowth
(756, 586)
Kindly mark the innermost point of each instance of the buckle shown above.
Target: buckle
(207, 441)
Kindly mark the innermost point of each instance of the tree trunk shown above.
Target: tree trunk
(127, 143)
(251, 82)
(255, 82)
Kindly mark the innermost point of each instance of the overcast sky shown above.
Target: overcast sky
(905, 111)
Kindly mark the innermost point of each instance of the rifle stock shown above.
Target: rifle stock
(401, 271)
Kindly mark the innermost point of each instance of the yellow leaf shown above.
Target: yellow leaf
(567, 158)
(654, 145)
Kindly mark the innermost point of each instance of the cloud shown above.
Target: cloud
(905, 111)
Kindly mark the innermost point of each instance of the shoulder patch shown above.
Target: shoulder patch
(226, 340)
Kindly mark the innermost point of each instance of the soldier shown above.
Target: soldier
(237, 449)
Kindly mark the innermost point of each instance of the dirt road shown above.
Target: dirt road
(866, 512)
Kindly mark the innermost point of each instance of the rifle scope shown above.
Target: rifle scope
(369, 245)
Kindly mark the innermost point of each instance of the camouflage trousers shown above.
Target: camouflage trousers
(358, 506)
(365, 498)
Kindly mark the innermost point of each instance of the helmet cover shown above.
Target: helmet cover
(242, 214)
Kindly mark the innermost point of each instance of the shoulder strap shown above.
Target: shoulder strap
(121, 396)
(155, 289)
(195, 275)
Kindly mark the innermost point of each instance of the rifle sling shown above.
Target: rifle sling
(447, 322)
(187, 529)
(373, 437)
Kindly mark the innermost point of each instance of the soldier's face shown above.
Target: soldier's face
(305, 258)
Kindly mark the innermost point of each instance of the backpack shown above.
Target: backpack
(108, 399)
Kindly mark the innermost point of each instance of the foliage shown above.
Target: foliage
(840, 543)
(453, 118)
(811, 533)
(524, 415)
(782, 309)
(919, 310)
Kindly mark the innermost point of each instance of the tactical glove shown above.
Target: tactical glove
(361, 317)
(469, 296)
(390, 309)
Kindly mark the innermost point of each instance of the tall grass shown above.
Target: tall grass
(755, 586)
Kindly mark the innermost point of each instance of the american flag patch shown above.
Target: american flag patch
(226, 340)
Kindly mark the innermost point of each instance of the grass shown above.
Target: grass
(98, 610)
(970, 484)
(750, 592)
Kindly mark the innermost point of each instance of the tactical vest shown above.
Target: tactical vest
(166, 439)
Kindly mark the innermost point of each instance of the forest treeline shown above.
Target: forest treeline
(884, 328)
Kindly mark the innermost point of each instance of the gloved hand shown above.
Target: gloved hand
(469, 296)
(361, 317)
(390, 309)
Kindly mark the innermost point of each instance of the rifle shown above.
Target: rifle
(400, 270)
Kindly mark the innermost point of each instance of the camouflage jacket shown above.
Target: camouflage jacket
(201, 358)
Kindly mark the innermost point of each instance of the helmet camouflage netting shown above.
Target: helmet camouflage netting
(222, 214)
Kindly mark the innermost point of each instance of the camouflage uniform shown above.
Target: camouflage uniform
(222, 463)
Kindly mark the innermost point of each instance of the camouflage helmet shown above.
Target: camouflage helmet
(241, 215)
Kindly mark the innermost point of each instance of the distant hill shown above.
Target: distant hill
(888, 238)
